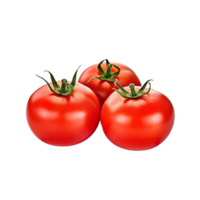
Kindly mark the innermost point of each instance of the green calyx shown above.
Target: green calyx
(65, 89)
(106, 75)
(133, 94)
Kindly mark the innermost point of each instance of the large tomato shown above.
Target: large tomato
(100, 78)
(137, 119)
(66, 118)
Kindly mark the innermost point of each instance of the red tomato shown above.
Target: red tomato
(137, 124)
(63, 120)
(103, 88)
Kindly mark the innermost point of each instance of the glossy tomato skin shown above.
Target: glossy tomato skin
(63, 121)
(137, 124)
(104, 88)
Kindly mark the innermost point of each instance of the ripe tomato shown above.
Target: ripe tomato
(138, 123)
(63, 119)
(104, 75)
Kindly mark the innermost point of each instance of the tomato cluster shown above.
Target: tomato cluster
(133, 117)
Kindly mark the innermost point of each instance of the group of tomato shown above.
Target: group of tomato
(132, 116)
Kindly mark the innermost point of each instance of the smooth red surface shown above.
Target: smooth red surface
(137, 124)
(104, 88)
(63, 121)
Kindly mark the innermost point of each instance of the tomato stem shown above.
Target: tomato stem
(133, 94)
(108, 71)
(106, 75)
(66, 88)
(132, 88)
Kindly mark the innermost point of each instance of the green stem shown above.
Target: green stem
(132, 88)
(133, 94)
(66, 88)
(106, 75)
(108, 71)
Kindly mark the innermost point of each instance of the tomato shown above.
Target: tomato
(103, 75)
(137, 119)
(66, 118)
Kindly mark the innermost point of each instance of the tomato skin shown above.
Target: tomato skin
(137, 124)
(63, 120)
(104, 88)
